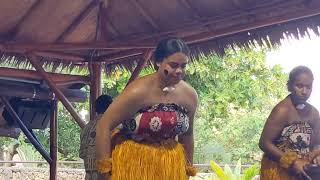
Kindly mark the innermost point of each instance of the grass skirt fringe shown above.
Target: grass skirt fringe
(140, 161)
(271, 170)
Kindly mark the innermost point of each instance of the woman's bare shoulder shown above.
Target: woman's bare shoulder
(314, 109)
(315, 113)
(188, 89)
(282, 108)
(139, 86)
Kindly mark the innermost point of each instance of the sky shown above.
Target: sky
(305, 51)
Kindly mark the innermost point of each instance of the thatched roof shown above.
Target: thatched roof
(117, 32)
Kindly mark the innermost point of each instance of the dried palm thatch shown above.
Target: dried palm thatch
(206, 25)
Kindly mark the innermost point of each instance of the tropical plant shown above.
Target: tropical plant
(27, 152)
(227, 173)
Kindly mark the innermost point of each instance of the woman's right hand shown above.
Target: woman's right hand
(299, 167)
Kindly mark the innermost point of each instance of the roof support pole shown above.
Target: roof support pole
(53, 139)
(140, 65)
(95, 86)
(33, 60)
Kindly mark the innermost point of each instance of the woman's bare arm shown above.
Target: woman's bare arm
(124, 107)
(272, 129)
(187, 138)
(316, 128)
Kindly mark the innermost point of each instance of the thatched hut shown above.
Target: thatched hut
(103, 34)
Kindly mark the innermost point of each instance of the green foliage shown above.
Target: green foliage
(221, 174)
(241, 135)
(5, 141)
(236, 93)
(118, 79)
(251, 172)
(68, 133)
(27, 152)
(227, 173)
(239, 81)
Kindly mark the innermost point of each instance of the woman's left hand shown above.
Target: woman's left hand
(316, 155)
(316, 160)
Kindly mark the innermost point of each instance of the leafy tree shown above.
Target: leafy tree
(236, 92)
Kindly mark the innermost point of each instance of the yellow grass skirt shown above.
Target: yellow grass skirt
(141, 161)
(271, 170)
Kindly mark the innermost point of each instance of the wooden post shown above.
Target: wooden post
(95, 87)
(140, 65)
(55, 90)
(53, 140)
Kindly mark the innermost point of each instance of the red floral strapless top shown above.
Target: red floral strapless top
(160, 121)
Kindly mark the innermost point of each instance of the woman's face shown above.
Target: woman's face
(302, 87)
(173, 68)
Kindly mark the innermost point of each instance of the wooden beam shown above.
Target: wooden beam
(33, 75)
(72, 46)
(95, 87)
(33, 60)
(143, 12)
(141, 64)
(53, 139)
(101, 31)
(60, 56)
(111, 58)
(78, 20)
(104, 21)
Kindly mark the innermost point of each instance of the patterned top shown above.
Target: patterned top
(87, 150)
(158, 121)
(295, 137)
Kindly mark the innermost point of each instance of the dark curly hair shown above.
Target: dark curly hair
(169, 46)
(102, 103)
(295, 72)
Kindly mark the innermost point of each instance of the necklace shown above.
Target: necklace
(168, 89)
(297, 106)
(300, 106)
